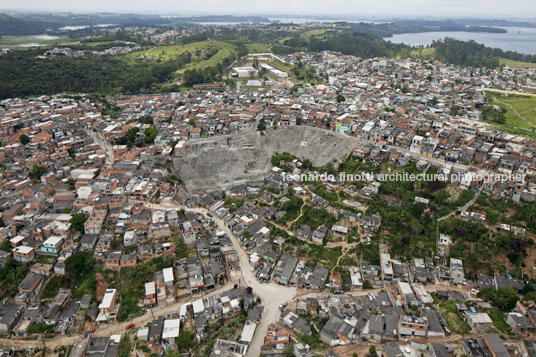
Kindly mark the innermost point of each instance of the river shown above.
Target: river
(519, 39)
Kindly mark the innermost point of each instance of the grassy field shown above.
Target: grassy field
(16, 41)
(308, 34)
(515, 64)
(525, 106)
(198, 51)
(424, 53)
(257, 47)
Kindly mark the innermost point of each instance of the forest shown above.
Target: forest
(10, 26)
(27, 73)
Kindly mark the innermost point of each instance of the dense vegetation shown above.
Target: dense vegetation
(23, 73)
(10, 26)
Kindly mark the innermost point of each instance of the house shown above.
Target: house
(526, 348)
(41, 269)
(295, 322)
(31, 285)
(456, 271)
(495, 345)
(319, 234)
(171, 331)
(479, 321)
(284, 269)
(10, 315)
(52, 245)
(155, 329)
(519, 323)
(337, 331)
(303, 350)
(372, 222)
(88, 241)
(108, 307)
(392, 350)
(224, 348)
(23, 254)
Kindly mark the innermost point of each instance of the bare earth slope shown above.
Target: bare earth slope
(219, 162)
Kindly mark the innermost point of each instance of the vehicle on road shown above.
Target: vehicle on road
(129, 326)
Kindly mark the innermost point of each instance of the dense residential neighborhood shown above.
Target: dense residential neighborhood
(109, 237)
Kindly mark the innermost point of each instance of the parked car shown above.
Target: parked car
(130, 326)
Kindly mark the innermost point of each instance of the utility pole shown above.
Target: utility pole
(44, 344)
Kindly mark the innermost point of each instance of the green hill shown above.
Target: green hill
(11, 26)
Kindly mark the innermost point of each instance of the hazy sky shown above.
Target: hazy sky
(360, 8)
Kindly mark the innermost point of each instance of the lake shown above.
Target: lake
(83, 27)
(514, 40)
(42, 37)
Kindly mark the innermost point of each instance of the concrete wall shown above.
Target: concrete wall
(220, 162)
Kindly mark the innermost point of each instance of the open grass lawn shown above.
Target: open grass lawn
(424, 53)
(525, 107)
(328, 256)
(224, 49)
(308, 34)
(499, 322)
(257, 47)
(515, 64)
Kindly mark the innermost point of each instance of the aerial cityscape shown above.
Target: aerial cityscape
(223, 179)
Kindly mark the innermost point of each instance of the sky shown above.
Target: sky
(358, 8)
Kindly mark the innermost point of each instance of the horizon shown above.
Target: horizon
(439, 9)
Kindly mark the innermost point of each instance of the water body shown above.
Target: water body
(31, 45)
(83, 27)
(519, 39)
(288, 21)
(42, 37)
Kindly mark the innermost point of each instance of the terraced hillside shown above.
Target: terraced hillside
(220, 162)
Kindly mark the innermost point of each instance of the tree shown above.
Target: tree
(505, 298)
(372, 350)
(78, 221)
(367, 285)
(274, 124)
(37, 171)
(79, 263)
(441, 196)
(150, 134)
(24, 139)
(340, 98)
(261, 127)
(186, 340)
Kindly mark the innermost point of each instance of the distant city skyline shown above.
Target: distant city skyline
(345, 8)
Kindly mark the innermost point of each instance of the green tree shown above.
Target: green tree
(186, 340)
(274, 124)
(37, 171)
(150, 134)
(78, 221)
(505, 298)
(261, 127)
(340, 98)
(441, 196)
(372, 350)
(78, 263)
(24, 139)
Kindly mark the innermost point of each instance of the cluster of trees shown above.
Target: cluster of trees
(25, 73)
(504, 298)
(11, 26)
(465, 53)
(472, 54)
(494, 113)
